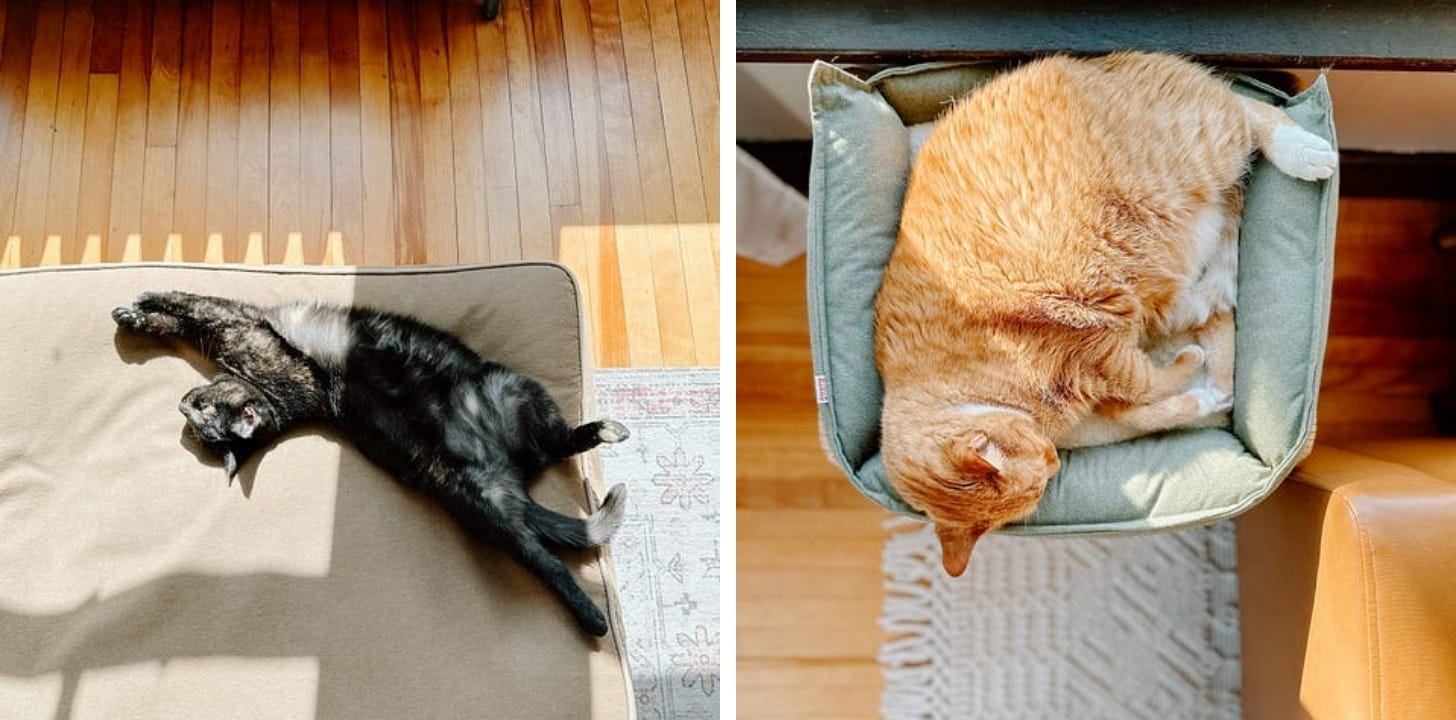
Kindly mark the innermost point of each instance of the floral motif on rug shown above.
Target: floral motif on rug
(666, 552)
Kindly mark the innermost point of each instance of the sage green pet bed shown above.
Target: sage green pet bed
(857, 181)
(137, 582)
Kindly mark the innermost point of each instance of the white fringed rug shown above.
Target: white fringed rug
(666, 552)
(1120, 628)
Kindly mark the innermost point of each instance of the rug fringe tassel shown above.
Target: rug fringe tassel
(913, 688)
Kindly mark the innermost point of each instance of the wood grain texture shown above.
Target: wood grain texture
(809, 547)
(414, 130)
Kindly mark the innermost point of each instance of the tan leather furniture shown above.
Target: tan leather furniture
(1348, 587)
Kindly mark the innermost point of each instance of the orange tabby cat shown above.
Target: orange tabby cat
(1059, 222)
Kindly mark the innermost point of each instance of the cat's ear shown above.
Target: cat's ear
(956, 543)
(247, 422)
(970, 461)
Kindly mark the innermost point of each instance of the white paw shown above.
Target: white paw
(612, 431)
(1211, 401)
(1302, 154)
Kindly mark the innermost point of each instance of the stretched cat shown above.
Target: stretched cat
(1059, 222)
(413, 399)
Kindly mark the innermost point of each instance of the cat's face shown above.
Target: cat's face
(226, 414)
(971, 475)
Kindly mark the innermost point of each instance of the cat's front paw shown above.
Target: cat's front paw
(1211, 400)
(1300, 153)
(128, 317)
(611, 431)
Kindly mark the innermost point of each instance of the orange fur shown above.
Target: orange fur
(1050, 237)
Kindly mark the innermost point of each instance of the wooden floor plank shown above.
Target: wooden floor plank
(701, 273)
(702, 77)
(108, 23)
(62, 203)
(16, 45)
(285, 207)
(441, 244)
(223, 119)
(670, 294)
(654, 166)
(158, 194)
(165, 71)
(472, 212)
(129, 161)
(346, 207)
(405, 129)
(190, 209)
(639, 305)
(497, 135)
(314, 162)
(677, 113)
(40, 109)
(418, 132)
(532, 189)
(254, 110)
(618, 139)
(554, 98)
(609, 309)
(93, 214)
(586, 129)
(375, 132)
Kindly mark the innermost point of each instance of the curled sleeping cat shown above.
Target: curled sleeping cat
(1060, 224)
(413, 399)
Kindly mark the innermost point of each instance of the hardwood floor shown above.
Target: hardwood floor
(413, 129)
(809, 583)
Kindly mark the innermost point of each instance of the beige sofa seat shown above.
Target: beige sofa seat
(137, 582)
(1347, 581)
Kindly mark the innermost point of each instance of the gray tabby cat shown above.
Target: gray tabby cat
(413, 399)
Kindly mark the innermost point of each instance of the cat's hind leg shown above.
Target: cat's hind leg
(498, 510)
(1295, 151)
(579, 533)
(598, 432)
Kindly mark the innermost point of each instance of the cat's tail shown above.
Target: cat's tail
(564, 531)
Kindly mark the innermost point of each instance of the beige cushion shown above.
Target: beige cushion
(135, 581)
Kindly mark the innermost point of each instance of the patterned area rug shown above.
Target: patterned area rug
(666, 552)
(1117, 628)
